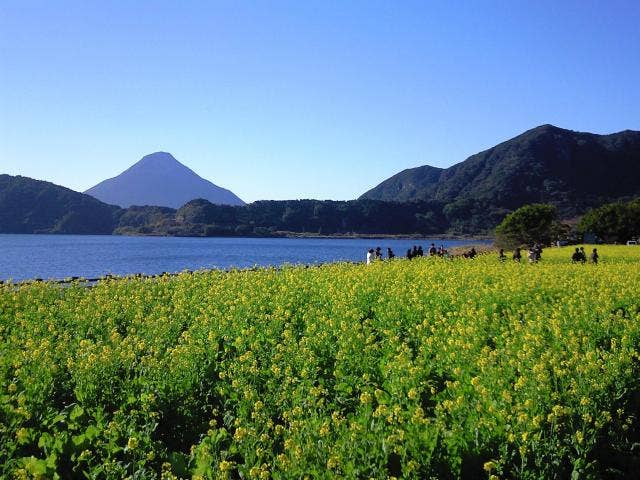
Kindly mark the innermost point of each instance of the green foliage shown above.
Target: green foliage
(613, 222)
(200, 217)
(528, 225)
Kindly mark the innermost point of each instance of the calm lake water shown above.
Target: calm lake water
(24, 257)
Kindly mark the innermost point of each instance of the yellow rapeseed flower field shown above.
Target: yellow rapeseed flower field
(431, 368)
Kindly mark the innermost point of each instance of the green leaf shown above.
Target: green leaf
(179, 463)
(35, 466)
(78, 440)
(45, 440)
(52, 461)
(91, 432)
(76, 413)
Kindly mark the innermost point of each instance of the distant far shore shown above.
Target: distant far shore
(440, 236)
(285, 234)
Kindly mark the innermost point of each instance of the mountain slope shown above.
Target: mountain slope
(572, 170)
(34, 206)
(159, 179)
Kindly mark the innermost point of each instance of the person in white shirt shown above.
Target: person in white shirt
(371, 255)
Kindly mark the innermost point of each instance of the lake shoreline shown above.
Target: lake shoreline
(33, 256)
(315, 236)
(455, 252)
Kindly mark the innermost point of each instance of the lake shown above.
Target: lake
(24, 257)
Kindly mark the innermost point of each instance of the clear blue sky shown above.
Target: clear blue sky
(279, 100)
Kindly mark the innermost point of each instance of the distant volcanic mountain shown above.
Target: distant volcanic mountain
(159, 179)
(573, 170)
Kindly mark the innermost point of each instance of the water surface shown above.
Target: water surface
(24, 257)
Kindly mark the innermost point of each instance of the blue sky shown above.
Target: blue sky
(283, 100)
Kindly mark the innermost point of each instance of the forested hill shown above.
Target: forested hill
(572, 170)
(34, 206)
(265, 218)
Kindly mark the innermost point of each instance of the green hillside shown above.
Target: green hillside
(34, 206)
(572, 170)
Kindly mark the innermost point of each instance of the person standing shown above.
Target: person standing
(501, 256)
(390, 253)
(517, 256)
(595, 256)
(371, 255)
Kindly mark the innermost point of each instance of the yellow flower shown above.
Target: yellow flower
(333, 462)
(240, 433)
(489, 466)
(22, 435)
(132, 444)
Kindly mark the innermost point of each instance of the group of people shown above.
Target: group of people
(414, 252)
(534, 255)
(377, 254)
(417, 251)
(580, 256)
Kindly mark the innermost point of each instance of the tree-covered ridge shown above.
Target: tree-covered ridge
(34, 206)
(324, 217)
(572, 170)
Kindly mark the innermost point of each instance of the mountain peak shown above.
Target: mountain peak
(159, 161)
(159, 179)
(157, 157)
(547, 127)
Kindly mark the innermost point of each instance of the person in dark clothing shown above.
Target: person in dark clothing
(501, 256)
(432, 250)
(414, 252)
(409, 254)
(595, 256)
(583, 255)
(517, 256)
(538, 251)
(420, 251)
(577, 256)
(390, 253)
(378, 253)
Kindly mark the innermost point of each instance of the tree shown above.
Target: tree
(527, 225)
(613, 222)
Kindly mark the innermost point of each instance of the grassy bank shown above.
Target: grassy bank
(435, 367)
